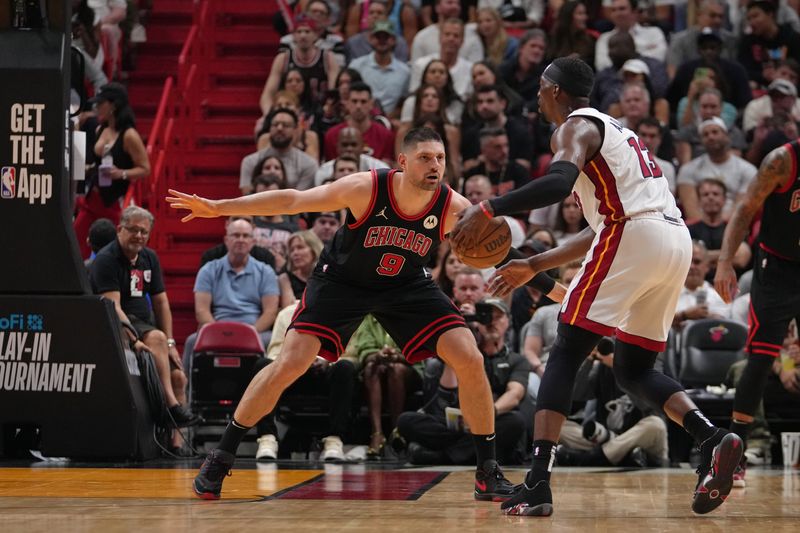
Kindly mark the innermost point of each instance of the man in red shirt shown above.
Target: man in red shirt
(376, 136)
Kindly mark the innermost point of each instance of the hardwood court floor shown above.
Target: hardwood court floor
(333, 498)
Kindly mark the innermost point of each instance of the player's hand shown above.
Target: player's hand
(199, 207)
(510, 276)
(725, 281)
(470, 225)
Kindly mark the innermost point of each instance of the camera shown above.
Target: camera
(483, 314)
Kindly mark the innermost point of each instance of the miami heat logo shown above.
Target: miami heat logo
(794, 204)
(718, 332)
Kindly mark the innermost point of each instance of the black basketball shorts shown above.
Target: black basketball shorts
(415, 315)
(774, 302)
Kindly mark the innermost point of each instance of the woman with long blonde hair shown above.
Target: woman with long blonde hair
(497, 45)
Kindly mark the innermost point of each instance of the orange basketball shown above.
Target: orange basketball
(491, 248)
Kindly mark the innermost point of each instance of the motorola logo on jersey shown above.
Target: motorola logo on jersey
(398, 237)
(430, 222)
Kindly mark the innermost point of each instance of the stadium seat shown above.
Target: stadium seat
(708, 348)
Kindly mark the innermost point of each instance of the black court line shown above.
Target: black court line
(428, 486)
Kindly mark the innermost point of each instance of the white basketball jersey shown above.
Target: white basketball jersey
(622, 179)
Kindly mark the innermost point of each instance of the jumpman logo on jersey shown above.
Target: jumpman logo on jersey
(382, 213)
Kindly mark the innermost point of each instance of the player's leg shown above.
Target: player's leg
(573, 344)
(262, 394)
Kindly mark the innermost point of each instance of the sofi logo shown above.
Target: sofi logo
(18, 321)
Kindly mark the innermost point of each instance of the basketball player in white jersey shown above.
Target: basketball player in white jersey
(637, 254)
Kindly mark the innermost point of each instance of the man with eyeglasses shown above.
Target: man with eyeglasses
(129, 274)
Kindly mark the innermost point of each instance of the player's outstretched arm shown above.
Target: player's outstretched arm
(571, 143)
(775, 171)
(519, 271)
(353, 192)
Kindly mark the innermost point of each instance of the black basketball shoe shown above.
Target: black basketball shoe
(208, 483)
(715, 473)
(530, 501)
(491, 485)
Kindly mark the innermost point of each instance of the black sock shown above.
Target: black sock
(233, 435)
(544, 454)
(741, 428)
(484, 449)
(698, 426)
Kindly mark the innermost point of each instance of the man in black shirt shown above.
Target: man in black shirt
(129, 274)
(710, 228)
(505, 174)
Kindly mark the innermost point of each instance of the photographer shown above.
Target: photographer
(430, 439)
(614, 429)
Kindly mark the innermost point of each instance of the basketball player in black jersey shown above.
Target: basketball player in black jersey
(775, 292)
(374, 264)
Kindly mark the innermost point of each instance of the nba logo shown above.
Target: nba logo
(8, 182)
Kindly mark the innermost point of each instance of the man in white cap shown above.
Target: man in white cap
(718, 162)
(781, 97)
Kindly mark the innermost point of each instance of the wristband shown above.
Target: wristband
(485, 211)
(171, 343)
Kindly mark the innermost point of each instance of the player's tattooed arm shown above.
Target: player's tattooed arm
(773, 172)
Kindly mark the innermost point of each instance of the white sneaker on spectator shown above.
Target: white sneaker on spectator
(333, 449)
(267, 448)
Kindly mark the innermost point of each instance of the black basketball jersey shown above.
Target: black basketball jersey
(780, 222)
(315, 73)
(385, 248)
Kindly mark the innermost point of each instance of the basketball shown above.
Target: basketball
(491, 248)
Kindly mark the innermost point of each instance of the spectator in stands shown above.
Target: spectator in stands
(689, 113)
(711, 226)
(445, 276)
(320, 12)
(272, 231)
(107, 15)
(357, 44)
(319, 67)
(498, 46)
(767, 43)
(436, 74)
(387, 374)
(634, 105)
(785, 15)
(570, 220)
(270, 164)
(781, 97)
(427, 41)
(494, 162)
(362, 14)
(698, 298)
(717, 162)
(570, 34)
(305, 138)
(771, 133)
(636, 72)
(86, 38)
(617, 428)
(300, 168)
(490, 105)
(450, 39)
(428, 15)
(344, 165)
(727, 76)
(101, 232)
(235, 288)
(523, 71)
(485, 73)
(304, 251)
(432, 442)
(350, 143)
(385, 74)
(376, 136)
(259, 253)
(683, 45)
(628, 65)
(650, 41)
(128, 274)
(293, 82)
(708, 105)
(325, 225)
(123, 159)
(336, 380)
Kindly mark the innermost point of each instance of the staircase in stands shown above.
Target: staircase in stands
(232, 45)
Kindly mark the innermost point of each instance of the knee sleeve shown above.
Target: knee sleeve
(750, 387)
(634, 372)
(572, 346)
